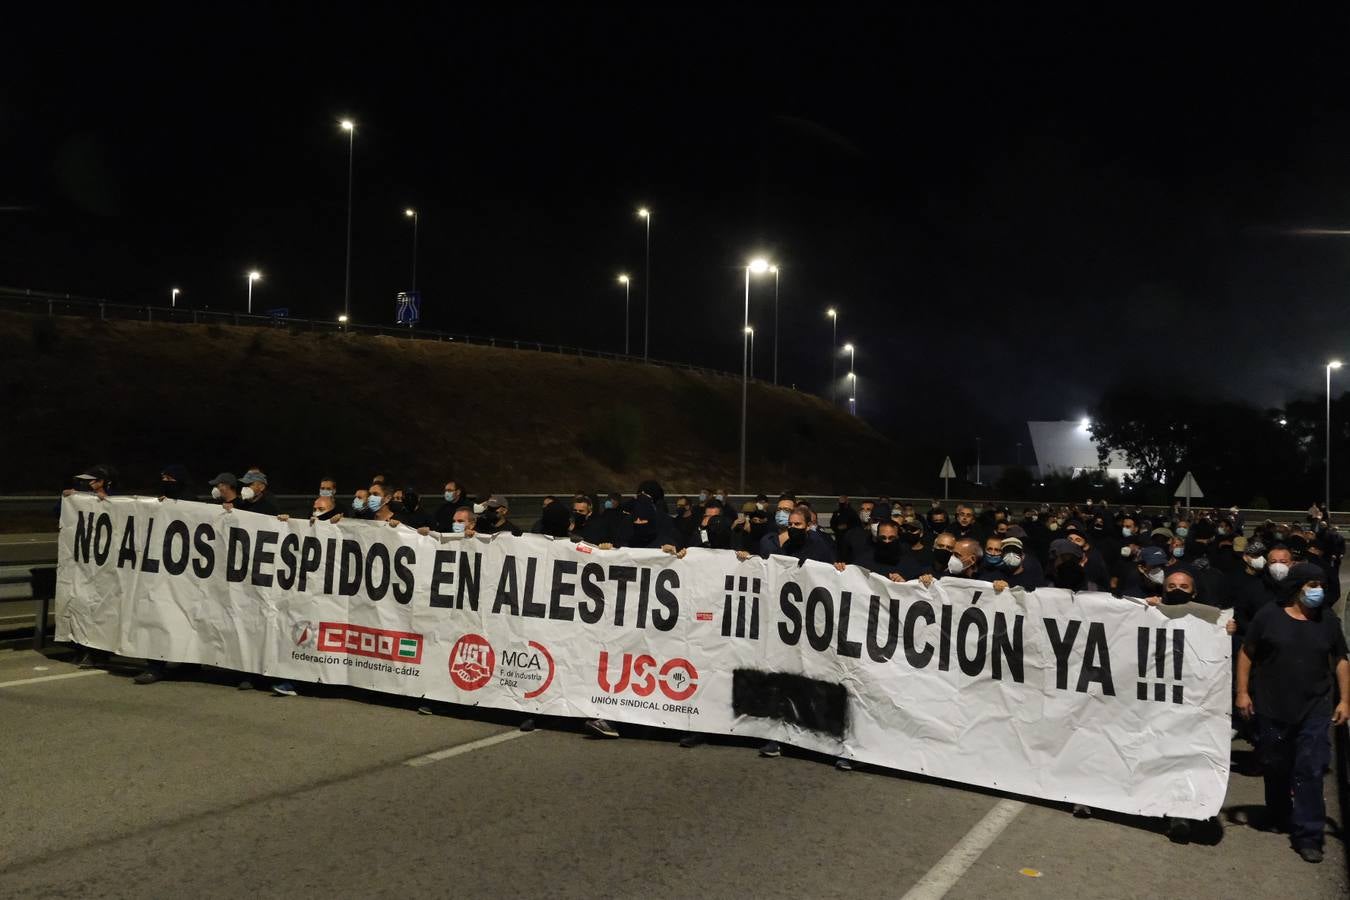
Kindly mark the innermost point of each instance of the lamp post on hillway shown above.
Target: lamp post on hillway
(757, 266)
(627, 283)
(1334, 364)
(834, 355)
(750, 330)
(252, 277)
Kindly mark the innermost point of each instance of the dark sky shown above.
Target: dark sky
(1011, 212)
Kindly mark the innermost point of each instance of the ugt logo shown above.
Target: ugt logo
(677, 679)
(472, 662)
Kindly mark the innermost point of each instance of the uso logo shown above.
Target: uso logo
(677, 678)
(472, 662)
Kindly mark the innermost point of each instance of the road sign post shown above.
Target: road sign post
(1189, 489)
(947, 474)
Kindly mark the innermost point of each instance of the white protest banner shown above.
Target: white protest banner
(1082, 698)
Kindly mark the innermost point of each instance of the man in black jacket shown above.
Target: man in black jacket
(253, 495)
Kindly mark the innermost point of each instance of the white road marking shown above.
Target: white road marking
(939, 879)
(61, 677)
(461, 749)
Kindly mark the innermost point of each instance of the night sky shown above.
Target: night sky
(1012, 213)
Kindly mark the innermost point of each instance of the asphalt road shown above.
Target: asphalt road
(192, 788)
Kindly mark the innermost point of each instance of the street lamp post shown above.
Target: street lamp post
(173, 297)
(1334, 364)
(756, 266)
(252, 277)
(350, 127)
(852, 381)
(751, 332)
(412, 214)
(834, 354)
(646, 215)
(627, 283)
(774, 269)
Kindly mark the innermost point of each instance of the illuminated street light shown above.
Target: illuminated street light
(173, 297)
(756, 266)
(627, 286)
(350, 127)
(852, 380)
(252, 277)
(751, 332)
(1334, 364)
(776, 276)
(412, 214)
(646, 215)
(834, 355)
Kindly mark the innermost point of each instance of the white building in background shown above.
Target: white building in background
(1068, 448)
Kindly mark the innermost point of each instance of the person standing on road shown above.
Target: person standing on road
(253, 496)
(225, 489)
(1294, 650)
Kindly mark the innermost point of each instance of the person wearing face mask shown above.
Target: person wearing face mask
(714, 528)
(1095, 565)
(173, 483)
(943, 546)
(496, 517)
(407, 509)
(851, 540)
(1019, 568)
(885, 554)
(1145, 576)
(555, 521)
(253, 495)
(753, 524)
(792, 538)
(966, 526)
(361, 505)
(328, 488)
(463, 523)
(225, 489)
(588, 527)
(962, 562)
(845, 503)
(1292, 658)
(324, 509)
(97, 480)
(991, 562)
(453, 496)
(1068, 563)
(647, 528)
(937, 520)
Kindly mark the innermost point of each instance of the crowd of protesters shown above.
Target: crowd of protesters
(1279, 579)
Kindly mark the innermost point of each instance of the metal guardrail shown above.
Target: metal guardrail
(52, 304)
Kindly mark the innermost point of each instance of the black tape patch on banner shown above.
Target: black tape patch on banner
(820, 706)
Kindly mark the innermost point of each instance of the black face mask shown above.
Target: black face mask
(910, 538)
(940, 558)
(579, 519)
(1071, 577)
(170, 489)
(644, 533)
(796, 538)
(1177, 595)
(887, 553)
(397, 507)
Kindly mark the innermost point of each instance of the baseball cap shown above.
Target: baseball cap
(1064, 545)
(225, 478)
(1152, 557)
(497, 501)
(98, 472)
(1012, 542)
(1165, 532)
(253, 478)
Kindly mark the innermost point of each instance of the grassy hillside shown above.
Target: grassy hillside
(299, 405)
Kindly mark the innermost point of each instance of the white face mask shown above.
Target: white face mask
(873, 528)
(1257, 562)
(479, 509)
(1125, 552)
(955, 565)
(215, 493)
(247, 493)
(1279, 571)
(1012, 560)
(1157, 576)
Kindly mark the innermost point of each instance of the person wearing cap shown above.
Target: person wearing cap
(852, 541)
(97, 480)
(495, 518)
(1019, 568)
(1145, 576)
(1095, 565)
(1068, 566)
(225, 489)
(253, 496)
(1292, 658)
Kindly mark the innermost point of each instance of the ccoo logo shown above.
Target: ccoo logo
(303, 634)
(677, 678)
(472, 662)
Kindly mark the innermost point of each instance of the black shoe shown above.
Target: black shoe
(86, 661)
(527, 725)
(1310, 854)
(1179, 831)
(149, 676)
(771, 750)
(425, 711)
(245, 685)
(1082, 812)
(691, 740)
(843, 765)
(601, 728)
